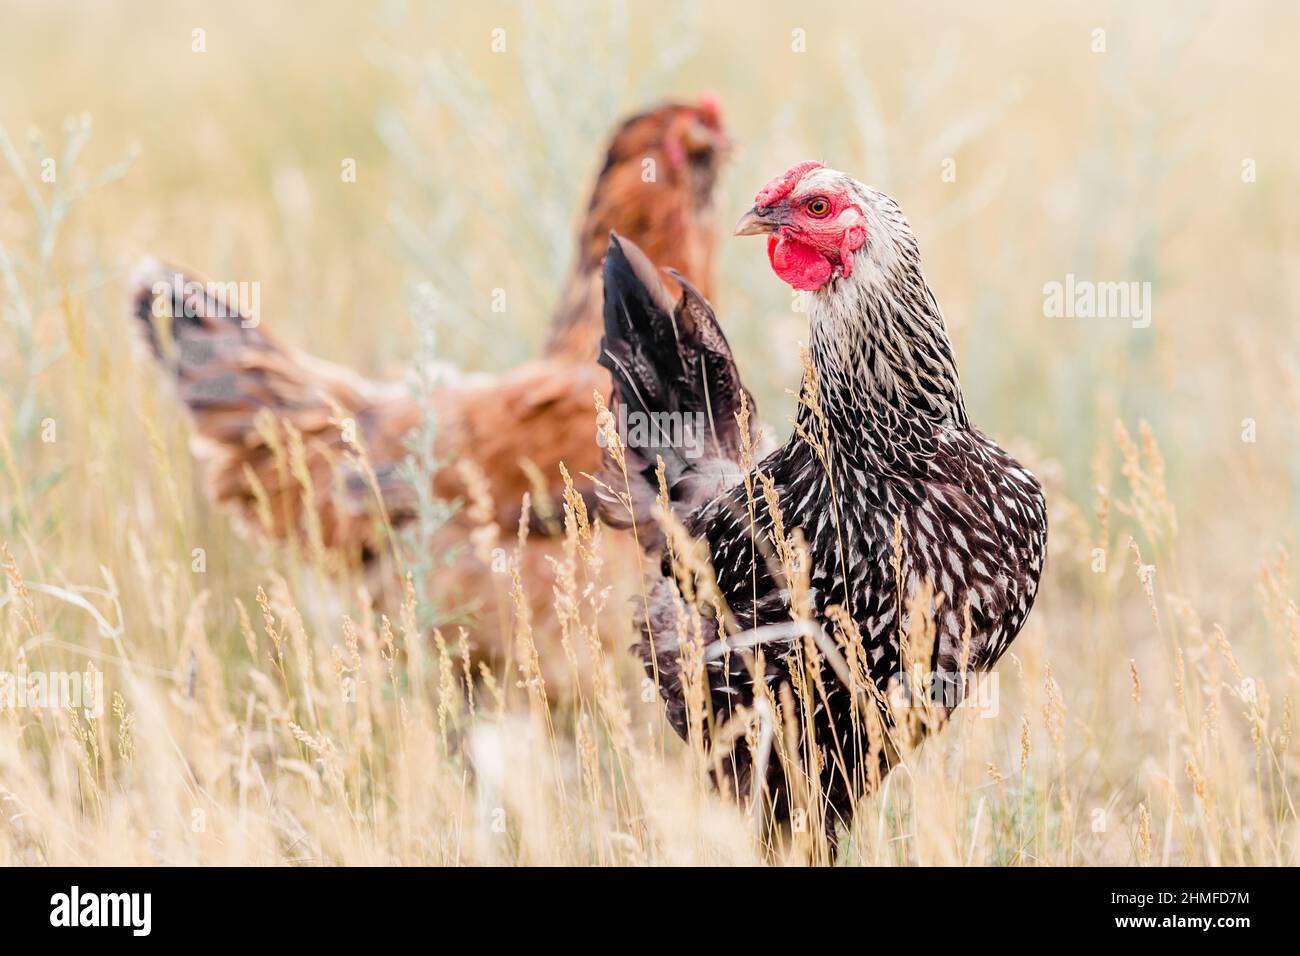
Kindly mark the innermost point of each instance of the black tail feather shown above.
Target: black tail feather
(676, 392)
(196, 330)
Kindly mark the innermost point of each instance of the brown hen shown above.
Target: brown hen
(266, 415)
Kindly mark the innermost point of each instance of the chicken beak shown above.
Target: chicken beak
(700, 139)
(756, 222)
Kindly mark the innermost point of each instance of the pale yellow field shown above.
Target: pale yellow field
(1146, 712)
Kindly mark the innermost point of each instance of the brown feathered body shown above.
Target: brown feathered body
(265, 414)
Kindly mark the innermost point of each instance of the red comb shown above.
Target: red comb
(711, 107)
(784, 184)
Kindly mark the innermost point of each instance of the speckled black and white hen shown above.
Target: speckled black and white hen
(904, 494)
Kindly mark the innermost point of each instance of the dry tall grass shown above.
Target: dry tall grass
(259, 710)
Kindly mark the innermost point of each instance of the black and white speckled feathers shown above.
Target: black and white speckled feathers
(903, 495)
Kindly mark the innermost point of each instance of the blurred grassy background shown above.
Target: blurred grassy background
(1123, 165)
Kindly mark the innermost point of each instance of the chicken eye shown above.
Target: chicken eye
(819, 207)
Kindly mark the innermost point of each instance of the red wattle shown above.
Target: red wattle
(798, 264)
